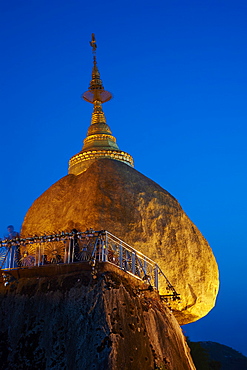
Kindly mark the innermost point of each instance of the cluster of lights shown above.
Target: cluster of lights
(51, 237)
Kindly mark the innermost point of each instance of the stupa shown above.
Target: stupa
(103, 191)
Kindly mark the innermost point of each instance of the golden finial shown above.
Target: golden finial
(96, 90)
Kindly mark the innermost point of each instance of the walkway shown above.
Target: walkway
(89, 246)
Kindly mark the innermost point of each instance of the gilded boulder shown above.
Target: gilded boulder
(113, 196)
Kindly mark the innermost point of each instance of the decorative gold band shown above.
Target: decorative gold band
(76, 166)
(102, 137)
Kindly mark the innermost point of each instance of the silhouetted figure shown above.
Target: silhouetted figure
(11, 233)
(11, 251)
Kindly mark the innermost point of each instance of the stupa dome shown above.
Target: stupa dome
(104, 192)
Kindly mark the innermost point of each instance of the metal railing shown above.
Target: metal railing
(89, 246)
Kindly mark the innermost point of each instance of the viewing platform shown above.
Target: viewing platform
(74, 251)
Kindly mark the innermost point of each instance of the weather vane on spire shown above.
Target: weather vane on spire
(93, 43)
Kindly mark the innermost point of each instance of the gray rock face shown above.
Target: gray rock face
(80, 321)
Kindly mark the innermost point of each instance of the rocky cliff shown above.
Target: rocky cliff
(74, 320)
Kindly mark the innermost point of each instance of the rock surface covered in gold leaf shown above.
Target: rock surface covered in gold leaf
(113, 196)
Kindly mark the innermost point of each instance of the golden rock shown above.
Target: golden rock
(113, 196)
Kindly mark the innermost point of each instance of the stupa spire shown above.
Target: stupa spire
(96, 93)
(99, 143)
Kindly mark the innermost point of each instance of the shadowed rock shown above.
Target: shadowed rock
(75, 321)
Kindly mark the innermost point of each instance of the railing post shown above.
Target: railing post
(73, 249)
(106, 240)
(120, 256)
(43, 255)
(10, 256)
(99, 250)
(65, 258)
(106, 245)
(69, 250)
(103, 252)
(145, 265)
(39, 254)
(133, 263)
(35, 258)
(156, 277)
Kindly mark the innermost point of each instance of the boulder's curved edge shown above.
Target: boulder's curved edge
(113, 196)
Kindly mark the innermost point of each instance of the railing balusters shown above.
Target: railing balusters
(102, 253)
(133, 262)
(9, 261)
(156, 277)
(85, 246)
(65, 258)
(69, 250)
(73, 249)
(39, 254)
(42, 254)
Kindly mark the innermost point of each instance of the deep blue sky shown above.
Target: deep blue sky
(177, 70)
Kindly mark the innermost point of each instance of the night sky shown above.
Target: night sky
(177, 70)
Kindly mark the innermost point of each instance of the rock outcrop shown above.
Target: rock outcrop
(75, 320)
(113, 196)
(212, 355)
